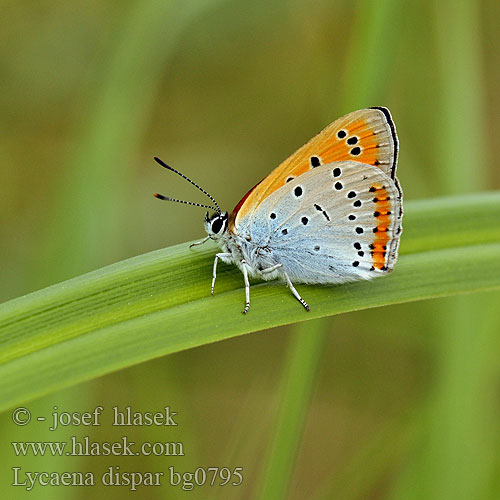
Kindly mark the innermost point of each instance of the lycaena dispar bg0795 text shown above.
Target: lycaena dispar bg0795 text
(330, 213)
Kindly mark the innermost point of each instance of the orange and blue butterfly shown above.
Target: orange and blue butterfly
(330, 213)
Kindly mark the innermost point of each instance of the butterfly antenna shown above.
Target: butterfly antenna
(161, 197)
(167, 198)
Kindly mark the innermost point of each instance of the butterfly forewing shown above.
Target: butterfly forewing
(367, 136)
(340, 222)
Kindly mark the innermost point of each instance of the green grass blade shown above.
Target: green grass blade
(297, 386)
(159, 303)
(371, 51)
(454, 455)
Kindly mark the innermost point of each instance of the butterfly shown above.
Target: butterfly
(330, 213)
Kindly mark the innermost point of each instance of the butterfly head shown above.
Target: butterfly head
(216, 224)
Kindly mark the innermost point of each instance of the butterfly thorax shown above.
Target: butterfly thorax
(239, 248)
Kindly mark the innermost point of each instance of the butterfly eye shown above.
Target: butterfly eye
(217, 225)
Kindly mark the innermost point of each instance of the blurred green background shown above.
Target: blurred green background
(400, 402)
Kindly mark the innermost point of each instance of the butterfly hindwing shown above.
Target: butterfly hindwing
(366, 136)
(338, 223)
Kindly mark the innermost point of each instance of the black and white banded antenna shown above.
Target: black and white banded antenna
(168, 198)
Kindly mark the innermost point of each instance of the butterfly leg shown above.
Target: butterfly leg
(247, 286)
(271, 269)
(217, 257)
(196, 243)
(295, 293)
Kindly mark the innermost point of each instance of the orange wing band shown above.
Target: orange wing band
(382, 214)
